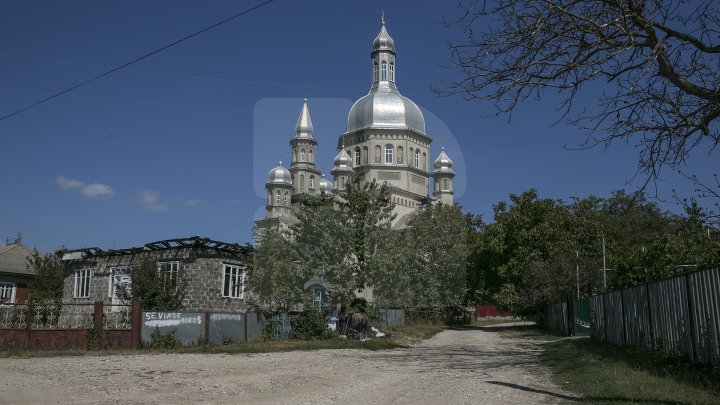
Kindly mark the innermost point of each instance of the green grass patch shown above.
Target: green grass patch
(607, 374)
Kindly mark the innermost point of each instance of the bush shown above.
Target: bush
(310, 324)
(160, 341)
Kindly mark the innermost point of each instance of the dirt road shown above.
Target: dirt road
(454, 367)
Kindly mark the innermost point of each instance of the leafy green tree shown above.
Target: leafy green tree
(277, 279)
(50, 273)
(155, 288)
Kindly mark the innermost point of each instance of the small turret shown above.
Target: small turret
(279, 188)
(342, 169)
(443, 179)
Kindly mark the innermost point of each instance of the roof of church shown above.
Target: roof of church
(304, 126)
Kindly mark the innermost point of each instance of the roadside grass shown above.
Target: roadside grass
(402, 336)
(603, 373)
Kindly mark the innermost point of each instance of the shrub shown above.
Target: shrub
(160, 341)
(310, 324)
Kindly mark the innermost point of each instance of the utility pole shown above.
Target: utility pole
(577, 272)
(604, 268)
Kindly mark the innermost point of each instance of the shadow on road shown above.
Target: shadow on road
(535, 390)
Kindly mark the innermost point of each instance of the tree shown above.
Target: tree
(49, 276)
(276, 280)
(656, 58)
(154, 287)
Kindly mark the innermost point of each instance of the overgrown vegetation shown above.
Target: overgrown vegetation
(604, 373)
(160, 341)
(310, 324)
(50, 273)
(155, 287)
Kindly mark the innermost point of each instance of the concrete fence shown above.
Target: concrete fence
(680, 315)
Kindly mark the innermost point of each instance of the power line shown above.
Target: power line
(136, 60)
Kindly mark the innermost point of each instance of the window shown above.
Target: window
(424, 161)
(277, 197)
(383, 71)
(400, 155)
(357, 156)
(7, 292)
(365, 154)
(417, 157)
(375, 71)
(377, 153)
(445, 184)
(302, 182)
(233, 281)
(342, 182)
(82, 283)
(285, 200)
(118, 276)
(312, 182)
(169, 274)
(310, 159)
(392, 72)
(302, 155)
(388, 154)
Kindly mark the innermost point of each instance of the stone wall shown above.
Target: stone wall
(204, 266)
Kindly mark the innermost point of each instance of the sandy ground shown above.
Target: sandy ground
(454, 367)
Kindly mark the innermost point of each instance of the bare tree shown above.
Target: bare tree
(659, 60)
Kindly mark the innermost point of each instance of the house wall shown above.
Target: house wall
(204, 267)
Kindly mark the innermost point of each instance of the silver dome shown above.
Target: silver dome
(383, 42)
(280, 175)
(326, 185)
(385, 107)
(342, 162)
(443, 164)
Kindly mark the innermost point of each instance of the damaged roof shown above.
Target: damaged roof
(167, 244)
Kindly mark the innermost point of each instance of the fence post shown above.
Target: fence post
(691, 318)
(28, 324)
(136, 325)
(206, 328)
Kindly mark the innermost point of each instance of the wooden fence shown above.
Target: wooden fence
(680, 315)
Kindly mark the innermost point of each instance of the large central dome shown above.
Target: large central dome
(384, 107)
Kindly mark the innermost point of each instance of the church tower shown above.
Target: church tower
(443, 179)
(342, 170)
(306, 177)
(385, 134)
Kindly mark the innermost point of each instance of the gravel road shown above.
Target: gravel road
(454, 367)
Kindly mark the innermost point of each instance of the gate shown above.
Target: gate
(582, 317)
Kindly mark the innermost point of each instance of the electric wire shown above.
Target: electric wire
(147, 55)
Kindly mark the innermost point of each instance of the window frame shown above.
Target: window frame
(389, 152)
(392, 71)
(81, 288)
(383, 71)
(237, 275)
(176, 270)
(358, 156)
(417, 158)
(5, 288)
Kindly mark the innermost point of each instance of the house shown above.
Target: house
(16, 278)
(216, 272)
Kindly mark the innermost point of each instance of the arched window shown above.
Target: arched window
(365, 155)
(388, 154)
(378, 151)
(392, 71)
(424, 161)
(357, 156)
(342, 182)
(383, 71)
(277, 198)
(417, 157)
(302, 155)
(294, 156)
(302, 182)
(399, 153)
(312, 182)
(375, 71)
(445, 184)
(285, 201)
(269, 202)
(310, 158)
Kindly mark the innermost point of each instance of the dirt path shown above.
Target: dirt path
(454, 367)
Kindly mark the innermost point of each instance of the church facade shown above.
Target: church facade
(384, 140)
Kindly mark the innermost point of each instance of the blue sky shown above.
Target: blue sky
(179, 144)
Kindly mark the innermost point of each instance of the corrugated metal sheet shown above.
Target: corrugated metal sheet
(636, 316)
(669, 314)
(705, 309)
(597, 317)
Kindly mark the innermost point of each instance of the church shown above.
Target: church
(384, 140)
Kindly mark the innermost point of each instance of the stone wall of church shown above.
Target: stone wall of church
(204, 267)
